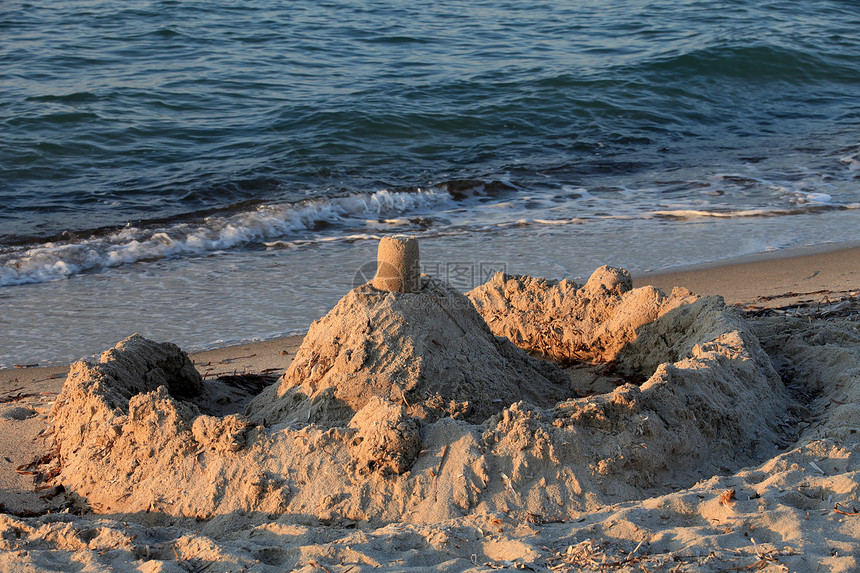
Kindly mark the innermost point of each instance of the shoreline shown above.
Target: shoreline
(778, 278)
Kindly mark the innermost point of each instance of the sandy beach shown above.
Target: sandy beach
(771, 279)
(785, 501)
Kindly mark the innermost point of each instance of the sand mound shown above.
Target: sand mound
(595, 322)
(405, 407)
(128, 416)
(428, 351)
(387, 439)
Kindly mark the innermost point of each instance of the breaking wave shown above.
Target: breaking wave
(62, 259)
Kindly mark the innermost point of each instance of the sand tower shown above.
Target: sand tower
(398, 268)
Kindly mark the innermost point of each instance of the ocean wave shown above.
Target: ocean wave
(62, 259)
(814, 205)
(753, 62)
(852, 161)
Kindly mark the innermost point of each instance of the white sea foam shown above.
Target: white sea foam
(557, 221)
(581, 191)
(701, 213)
(818, 198)
(52, 261)
(852, 161)
(430, 212)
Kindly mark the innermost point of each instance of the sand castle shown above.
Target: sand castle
(410, 401)
(417, 343)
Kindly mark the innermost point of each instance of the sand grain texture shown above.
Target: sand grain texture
(727, 443)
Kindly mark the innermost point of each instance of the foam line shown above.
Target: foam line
(52, 261)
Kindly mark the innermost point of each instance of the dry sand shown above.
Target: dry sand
(812, 275)
(732, 446)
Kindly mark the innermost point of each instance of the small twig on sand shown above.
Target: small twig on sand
(439, 471)
(630, 556)
(843, 512)
(313, 563)
(451, 316)
(508, 483)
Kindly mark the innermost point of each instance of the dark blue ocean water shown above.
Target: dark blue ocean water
(147, 146)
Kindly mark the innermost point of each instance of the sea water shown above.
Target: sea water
(220, 171)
